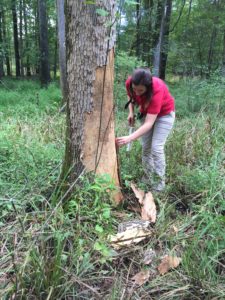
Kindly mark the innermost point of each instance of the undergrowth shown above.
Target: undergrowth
(57, 250)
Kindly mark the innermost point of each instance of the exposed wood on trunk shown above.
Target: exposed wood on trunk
(90, 134)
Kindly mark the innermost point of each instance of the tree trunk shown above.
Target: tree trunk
(223, 57)
(156, 33)
(62, 46)
(147, 35)
(28, 71)
(37, 39)
(55, 56)
(211, 50)
(21, 38)
(90, 140)
(43, 33)
(161, 53)
(16, 40)
(1, 47)
(138, 17)
(6, 45)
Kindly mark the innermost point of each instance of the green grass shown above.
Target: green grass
(55, 251)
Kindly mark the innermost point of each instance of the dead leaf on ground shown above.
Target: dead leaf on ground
(138, 193)
(128, 237)
(141, 277)
(148, 211)
(167, 263)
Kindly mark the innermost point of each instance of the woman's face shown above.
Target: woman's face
(139, 89)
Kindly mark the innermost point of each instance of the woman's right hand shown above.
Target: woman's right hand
(131, 119)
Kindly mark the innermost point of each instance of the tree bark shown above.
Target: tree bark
(62, 47)
(90, 140)
(16, 40)
(43, 34)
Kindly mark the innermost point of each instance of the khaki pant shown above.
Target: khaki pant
(153, 156)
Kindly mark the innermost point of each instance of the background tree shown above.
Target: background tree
(161, 50)
(44, 56)
(62, 45)
(16, 38)
(1, 46)
(90, 139)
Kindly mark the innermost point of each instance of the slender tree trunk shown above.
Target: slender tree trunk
(44, 57)
(16, 40)
(161, 52)
(223, 57)
(37, 39)
(55, 57)
(28, 70)
(200, 58)
(1, 47)
(211, 50)
(138, 17)
(148, 35)
(21, 38)
(156, 34)
(6, 45)
(90, 140)
(62, 46)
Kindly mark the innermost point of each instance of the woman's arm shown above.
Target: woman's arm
(149, 121)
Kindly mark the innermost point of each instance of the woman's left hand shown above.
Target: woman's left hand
(123, 140)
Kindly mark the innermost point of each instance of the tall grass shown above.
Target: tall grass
(56, 250)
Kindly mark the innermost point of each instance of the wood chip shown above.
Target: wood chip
(138, 193)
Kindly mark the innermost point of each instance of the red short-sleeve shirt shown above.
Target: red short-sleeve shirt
(161, 104)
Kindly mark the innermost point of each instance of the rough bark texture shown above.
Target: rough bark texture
(90, 135)
(62, 46)
(16, 40)
(44, 56)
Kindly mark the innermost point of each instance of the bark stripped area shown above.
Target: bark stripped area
(90, 45)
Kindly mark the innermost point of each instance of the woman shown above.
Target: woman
(157, 109)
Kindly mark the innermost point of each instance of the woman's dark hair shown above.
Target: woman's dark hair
(142, 76)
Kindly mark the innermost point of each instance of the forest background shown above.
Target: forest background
(54, 251)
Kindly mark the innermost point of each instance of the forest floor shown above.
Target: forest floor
(50, 251)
